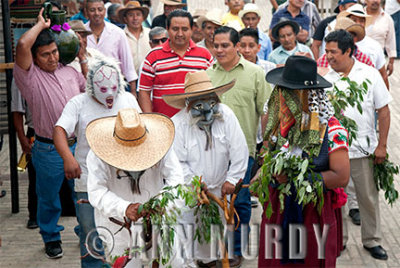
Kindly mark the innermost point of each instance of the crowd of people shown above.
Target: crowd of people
(153, 101)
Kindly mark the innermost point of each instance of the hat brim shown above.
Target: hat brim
(345, 13)
(122, 12)
(159, 138)
(203, 19)
(275, 29)
(358, 30)
(178, 100)
(244, 12)
(172, 3)
(83, 32)
(275, 77)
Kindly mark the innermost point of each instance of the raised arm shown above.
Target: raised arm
(24, 55)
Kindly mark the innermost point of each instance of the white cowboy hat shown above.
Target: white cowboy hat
(249, 8)
(214, 16)
(356, 10)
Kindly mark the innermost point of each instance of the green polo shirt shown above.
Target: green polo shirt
(246, 98)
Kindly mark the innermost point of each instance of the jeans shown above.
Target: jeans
(243, 208)
(85, 215)
(396, 20)
(49, 168)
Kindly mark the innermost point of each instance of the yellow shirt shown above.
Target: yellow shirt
(232, 21)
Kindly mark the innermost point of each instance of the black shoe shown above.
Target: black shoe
(254, 203)
(355, 216)
(236, 261)
(32, 224)
(377, 252)
(206, 265)
(53, 249)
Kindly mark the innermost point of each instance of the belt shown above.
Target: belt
(71, 141)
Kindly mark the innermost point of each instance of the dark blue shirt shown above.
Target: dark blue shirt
(302, 19)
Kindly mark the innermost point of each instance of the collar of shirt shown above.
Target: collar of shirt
(281, 49)
(240, 63)
(128, 33)
(301, 14)
(356, 67)
(167, 48)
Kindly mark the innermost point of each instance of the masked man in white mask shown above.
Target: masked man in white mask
(105, 95)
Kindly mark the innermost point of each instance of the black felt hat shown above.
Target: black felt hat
(299, 72)
(283, 22)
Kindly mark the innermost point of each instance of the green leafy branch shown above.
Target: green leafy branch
(295, 168)
(352, 95)
(384, 179)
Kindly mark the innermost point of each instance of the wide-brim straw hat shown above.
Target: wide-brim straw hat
(299, 72)
(356, 10)
(173, 2)
(214, 16)
(350, 26)
(79, 27)
(282, 23)
(131, 141)
(132, 5)
(196, 84)
(249, 8)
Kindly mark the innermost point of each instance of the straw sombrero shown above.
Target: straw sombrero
(132, 5)
(349, 25)
(196, 84)
(131, 141)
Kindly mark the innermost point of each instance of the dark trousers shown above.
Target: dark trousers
(32, 197)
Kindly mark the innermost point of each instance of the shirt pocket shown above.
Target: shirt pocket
(241, 97)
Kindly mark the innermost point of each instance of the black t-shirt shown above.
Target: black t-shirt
(160, 20)
(320, 31)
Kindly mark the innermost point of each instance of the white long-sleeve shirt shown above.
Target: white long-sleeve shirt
(111, 196)
(225, 161)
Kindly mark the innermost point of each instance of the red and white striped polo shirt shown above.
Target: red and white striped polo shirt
(164, 72)
(361, 57)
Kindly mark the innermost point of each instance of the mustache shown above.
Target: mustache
(195, 120)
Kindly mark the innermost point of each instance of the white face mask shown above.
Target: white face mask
(105, 85)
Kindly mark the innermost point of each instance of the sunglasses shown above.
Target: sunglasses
(157, 41)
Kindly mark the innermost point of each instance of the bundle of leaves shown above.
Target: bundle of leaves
(161, 212)
(308, 186)
(384, 179)
(207, 214)
(352, 96)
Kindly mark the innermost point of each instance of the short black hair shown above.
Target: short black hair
(233, 34)
(44, 38)
(56, 4)
(249, 32)
(344, 40)
(179, 13)
(92, 1)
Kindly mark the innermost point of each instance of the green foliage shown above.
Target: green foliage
(295, 168)
(206, 215)
(384, 179)
(353, 95)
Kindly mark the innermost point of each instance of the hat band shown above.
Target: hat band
(131, 140)
(305, 82)
(358, 12)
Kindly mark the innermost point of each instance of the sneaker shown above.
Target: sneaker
(32, 224)
(53, 249)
